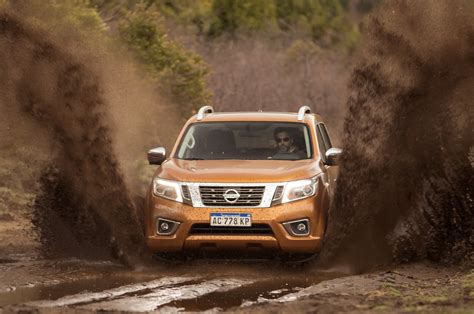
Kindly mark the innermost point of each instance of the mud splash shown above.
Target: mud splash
(406, 183)
(84, 207)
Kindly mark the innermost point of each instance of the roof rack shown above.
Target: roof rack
(302, 111)
(203, 110)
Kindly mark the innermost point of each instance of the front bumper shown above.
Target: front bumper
(311, 208)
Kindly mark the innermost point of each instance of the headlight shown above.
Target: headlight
(167, 189)
(296, 190)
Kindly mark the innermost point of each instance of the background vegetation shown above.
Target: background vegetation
(176, 41)
(272, 55)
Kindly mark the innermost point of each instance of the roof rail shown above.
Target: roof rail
(203, 110)
(303, 110)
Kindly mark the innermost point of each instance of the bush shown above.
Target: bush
(244, 15)
(324, 20)
(188, 12)
(179, 70)
(51, 14)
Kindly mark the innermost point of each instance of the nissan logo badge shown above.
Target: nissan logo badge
(231, 196)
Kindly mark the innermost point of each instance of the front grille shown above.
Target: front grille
(262, 229)
(214, 195)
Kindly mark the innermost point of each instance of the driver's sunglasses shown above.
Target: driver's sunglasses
(285, 139)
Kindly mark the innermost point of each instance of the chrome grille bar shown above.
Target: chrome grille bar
(251, 194)
(214, 195)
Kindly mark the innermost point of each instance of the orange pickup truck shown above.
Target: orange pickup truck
(243, 181)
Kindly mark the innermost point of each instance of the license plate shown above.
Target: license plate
(231, 219)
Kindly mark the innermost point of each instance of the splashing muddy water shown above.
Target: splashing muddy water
(405, 185)
(84, 205)
(405, 188)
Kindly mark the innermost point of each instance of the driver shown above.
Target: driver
(286, 148)
(284, 141)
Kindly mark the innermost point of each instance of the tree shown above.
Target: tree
(244, 15)
(324, 20)
(180, 70)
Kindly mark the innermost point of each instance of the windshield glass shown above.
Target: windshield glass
(245, 140)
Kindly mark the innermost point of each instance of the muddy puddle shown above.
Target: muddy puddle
(192, 286)
(246, 295)
(56, 291)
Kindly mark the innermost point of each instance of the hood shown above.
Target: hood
(228, 171)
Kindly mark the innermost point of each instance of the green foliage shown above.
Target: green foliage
(74, 14)
(180, 70)
(187, 12)
(324, 20)
(244, 15)
(80, 14)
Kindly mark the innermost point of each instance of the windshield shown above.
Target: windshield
(245, 140)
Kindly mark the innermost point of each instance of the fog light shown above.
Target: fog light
(166, 226)
(297, 228)
(301, 227)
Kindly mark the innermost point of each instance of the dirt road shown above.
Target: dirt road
(31, 282)
(70, 285)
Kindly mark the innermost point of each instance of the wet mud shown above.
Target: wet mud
(241, 287)
(194, 286)
(30, 292)
(84, 206)
(405, 189)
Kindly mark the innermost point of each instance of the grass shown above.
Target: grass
(468, 285)
(391, 291)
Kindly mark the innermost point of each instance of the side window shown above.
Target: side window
(324, 141)
(326, 138)
(321, 146)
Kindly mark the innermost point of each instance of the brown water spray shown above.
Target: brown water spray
(85, 208)
(405, 189)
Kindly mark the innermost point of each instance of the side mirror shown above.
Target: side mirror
(332, 156)
(156, 156)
